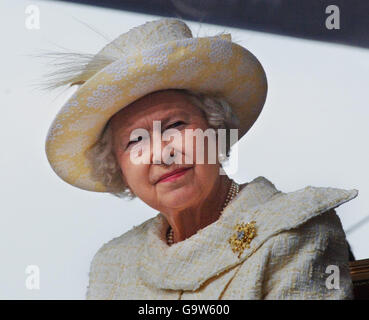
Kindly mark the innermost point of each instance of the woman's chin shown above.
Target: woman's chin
(179, 197)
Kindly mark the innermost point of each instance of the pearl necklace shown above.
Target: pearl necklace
(232, 192)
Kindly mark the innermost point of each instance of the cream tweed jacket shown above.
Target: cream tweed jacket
(298, 236)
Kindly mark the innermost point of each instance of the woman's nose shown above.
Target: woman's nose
(163, 153)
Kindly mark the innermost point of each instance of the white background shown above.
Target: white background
(313, 131)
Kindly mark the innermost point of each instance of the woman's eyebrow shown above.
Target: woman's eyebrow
(179, 114)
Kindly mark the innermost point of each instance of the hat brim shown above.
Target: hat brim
(211, 65)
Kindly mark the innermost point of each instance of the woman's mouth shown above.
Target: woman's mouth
(174, 175)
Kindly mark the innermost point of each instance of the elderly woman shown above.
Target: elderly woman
(211, 238)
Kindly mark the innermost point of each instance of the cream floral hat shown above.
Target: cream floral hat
(157, 55)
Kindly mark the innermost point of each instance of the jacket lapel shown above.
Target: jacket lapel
(188, 264)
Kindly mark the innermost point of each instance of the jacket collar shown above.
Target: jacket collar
(186, 265)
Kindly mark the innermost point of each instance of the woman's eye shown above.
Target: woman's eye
(139, 138)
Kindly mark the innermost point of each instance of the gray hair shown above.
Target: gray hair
(105, 167)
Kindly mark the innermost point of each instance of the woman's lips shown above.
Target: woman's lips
(175, 175)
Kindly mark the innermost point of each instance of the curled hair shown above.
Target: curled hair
(105, 167)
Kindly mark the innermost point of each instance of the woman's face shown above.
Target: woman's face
(174, 111)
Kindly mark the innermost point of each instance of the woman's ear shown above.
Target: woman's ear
(126, 183)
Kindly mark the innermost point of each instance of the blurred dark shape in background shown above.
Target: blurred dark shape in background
(297, 18)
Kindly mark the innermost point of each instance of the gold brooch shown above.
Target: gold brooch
(243, 236)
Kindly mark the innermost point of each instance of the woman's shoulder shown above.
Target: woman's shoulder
(125, 244)
(296, 207)
(118, 255)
